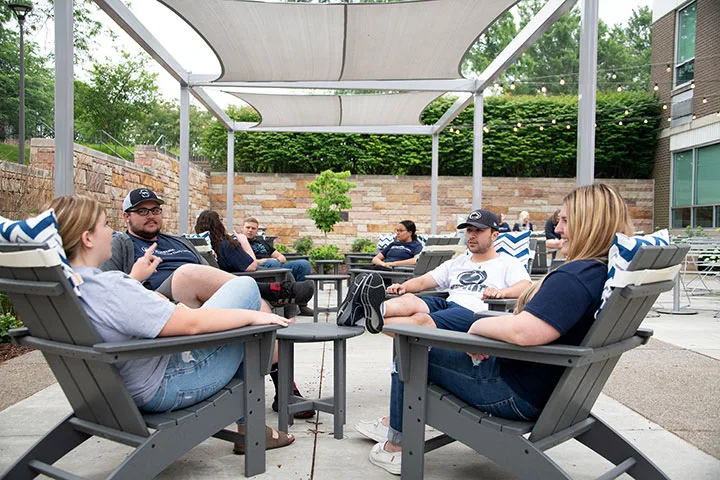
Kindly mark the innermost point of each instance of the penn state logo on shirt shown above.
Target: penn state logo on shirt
(472, 277)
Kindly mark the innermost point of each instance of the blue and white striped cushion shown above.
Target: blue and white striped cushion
(516, 244)
(622, 252)
(384, 240)
(42, 229)
(205, 236)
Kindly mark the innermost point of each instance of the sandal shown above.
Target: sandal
(282, 440)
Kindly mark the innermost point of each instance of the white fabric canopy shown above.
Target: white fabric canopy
(338, 110)
(258, 41)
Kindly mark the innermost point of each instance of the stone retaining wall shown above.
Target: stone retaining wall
(378, 202)
(279, 201)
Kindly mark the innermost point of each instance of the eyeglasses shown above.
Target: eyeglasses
(143, 212)
(399, 230)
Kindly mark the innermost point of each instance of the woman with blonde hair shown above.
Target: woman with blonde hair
(120, 309)
(523, 224)
(561, 311)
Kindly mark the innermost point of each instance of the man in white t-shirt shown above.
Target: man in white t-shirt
(469, 280)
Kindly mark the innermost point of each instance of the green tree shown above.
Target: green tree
(38, 85)
(329, 194)
(116, 94)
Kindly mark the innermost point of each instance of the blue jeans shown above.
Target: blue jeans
(481, 386)
(299, 268)
(193, 376)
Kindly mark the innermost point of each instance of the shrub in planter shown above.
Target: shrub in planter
(325, 252)
(303, 245)
(363, 245)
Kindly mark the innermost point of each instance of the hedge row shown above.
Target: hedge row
(544, 144)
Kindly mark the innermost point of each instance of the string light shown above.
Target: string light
(619, 88)
(519, 124)
(692, 85)
(656, 87)
(694, 117)
(542, 128)
(451, 130)
(554, 121)
(645, 121)
(512, 86)
(664, 106)
(613, 75)
(486, 129)
(620, 122)
(668, 69)
(627, 112)
(567, 126)
(669, 119)
(457, 132)
(704, 100)
(515, 129)
(562, 81)
(543, 89)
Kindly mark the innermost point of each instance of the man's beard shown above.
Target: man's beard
(146, 234)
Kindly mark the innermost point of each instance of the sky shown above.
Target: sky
(186, 46)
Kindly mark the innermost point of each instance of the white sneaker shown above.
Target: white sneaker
(373, 430)
(390, 462)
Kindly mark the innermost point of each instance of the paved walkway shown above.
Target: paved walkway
(665, 397)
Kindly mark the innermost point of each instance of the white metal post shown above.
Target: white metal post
(587, 90)
(63, 97)
(230, 179)
(434, 184)
(478, 150)
(184, 207)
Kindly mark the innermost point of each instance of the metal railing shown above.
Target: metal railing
(105, 140)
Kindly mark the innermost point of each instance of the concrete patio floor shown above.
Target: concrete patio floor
(676, 403)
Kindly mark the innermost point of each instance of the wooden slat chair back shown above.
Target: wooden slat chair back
(94, 389)
(84, 366)
(566, 414)
(427, 261)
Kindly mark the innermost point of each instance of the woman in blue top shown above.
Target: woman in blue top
(403, 251)
(233, 254)
(120, 309)
(561, 311)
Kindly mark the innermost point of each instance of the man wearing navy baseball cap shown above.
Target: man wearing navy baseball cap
(469, 280)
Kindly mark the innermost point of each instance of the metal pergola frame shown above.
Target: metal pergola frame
(471, 90)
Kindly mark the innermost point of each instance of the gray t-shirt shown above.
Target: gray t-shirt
(122, 309)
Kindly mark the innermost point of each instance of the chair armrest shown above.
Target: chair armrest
(562, 355)
(384, 274)
(273, 274)
(492, 313)
(115, 352)
(501, 304)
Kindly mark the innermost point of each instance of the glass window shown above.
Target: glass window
(685, 54)
(681, 217)
(707, 190)
(682, 178)
(696, 188)
(703, 217)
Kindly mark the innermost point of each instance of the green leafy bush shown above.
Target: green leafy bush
(543, 145)
(364, 245)
(281, 247)
(303, 245)
(325, 252)
(8, 318)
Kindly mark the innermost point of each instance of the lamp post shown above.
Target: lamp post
(21, 10)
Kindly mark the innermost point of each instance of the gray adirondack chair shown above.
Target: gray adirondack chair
(428, 260)
(85, 368)
(567, 413)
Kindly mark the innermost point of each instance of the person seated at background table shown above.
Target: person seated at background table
(404, 250)
(233, 254)
(121, 308)
(523, 224)
(552, 239)
(562, 311)
(503, 226)
(268, 257)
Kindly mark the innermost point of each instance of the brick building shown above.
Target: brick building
(686, 77)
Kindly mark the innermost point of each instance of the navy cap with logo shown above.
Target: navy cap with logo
(481, 219)
(138, 196)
